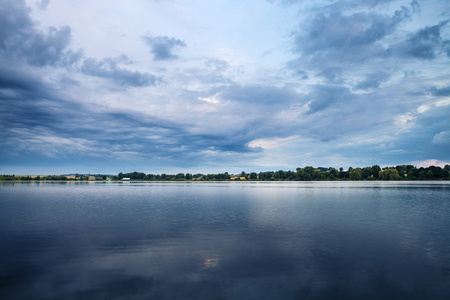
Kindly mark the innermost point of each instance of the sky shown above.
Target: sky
(169, 86)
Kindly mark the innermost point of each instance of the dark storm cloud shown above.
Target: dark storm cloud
(21, 40)
(47, 127)
(108, 68)
(162, 46)
(11, 80)
(424, 44)
(36, 121)
(21, 115)
(27, 102)
(149, 135)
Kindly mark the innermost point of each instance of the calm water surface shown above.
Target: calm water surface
(302, 240)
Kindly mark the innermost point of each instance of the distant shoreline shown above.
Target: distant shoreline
(212, 181)
(308, 173)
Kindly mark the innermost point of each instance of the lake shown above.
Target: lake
(225, 240)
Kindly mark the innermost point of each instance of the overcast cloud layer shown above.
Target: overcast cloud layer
(215, 86)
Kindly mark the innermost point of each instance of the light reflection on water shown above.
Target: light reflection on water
(288, 240)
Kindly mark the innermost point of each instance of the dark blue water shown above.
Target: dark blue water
(316, 240)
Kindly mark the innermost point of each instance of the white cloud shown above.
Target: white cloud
(429, 162)
(212, 100)
(438, 103)
(405, 121)
(271, 143)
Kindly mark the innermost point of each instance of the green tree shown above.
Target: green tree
(356, 174)
(422, 174)
(333, 174)
(366, 172)
(401, 170)
(308, 173)
(389, 174)
(376, 170)
(411, 175)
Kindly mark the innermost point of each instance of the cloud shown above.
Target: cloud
(415, 6)
(14, 83)
(47, 48)
(373, 81)
(442, 138)
(28, 101)
(39, 123)
(424, 44)
(162, 46)
(271, 143)
(21, 40)
(429, 162)
(108, 68)
(322, 97)
(259, 94)
(342, 82)
(43, 4)
(14, 20)
(333, 74)
(446, 47)
(337, 36)
(217, 64)
(344, 43)
(212, 100)
(441, 92)
(340, 4)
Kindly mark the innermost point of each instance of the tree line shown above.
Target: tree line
(375, 172)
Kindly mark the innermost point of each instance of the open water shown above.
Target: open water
(253, 240)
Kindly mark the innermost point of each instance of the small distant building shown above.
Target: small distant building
(126, 179)
(91, 177)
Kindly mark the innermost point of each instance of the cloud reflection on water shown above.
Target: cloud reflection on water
(231, 241)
